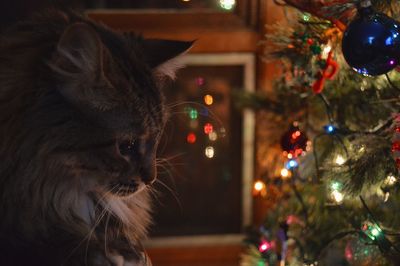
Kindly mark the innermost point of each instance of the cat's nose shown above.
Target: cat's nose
(149, 175)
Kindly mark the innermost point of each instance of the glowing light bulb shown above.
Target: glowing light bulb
(191, 138)
(336, 186)
(208, 128)
(200, 81)
(208, 99)
(213, 136)
(291, 164)
(390, 180)
(375, 232)
(193, 113)
(329, 129)
(259, 185)
(285, 172)
(339, 160)
(325, 51)
(264, 246)
(209, 152)
(227, 4)
(337, 196)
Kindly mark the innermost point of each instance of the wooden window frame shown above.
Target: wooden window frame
(227, 31)
(247, 61)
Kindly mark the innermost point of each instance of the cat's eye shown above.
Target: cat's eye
(127, 147)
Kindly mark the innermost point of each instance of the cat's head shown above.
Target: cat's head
(112, 82)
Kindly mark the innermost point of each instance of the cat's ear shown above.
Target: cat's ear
(164, 56)
(79, 52)
(78, 64)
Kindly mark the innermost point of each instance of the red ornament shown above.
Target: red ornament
(294, 142)
(310, 41)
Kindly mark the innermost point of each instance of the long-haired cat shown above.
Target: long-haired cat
(81, 114)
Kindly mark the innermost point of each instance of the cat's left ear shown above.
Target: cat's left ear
(164, 56)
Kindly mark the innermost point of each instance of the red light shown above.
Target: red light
(208, 128)
(191, 138)
(264, 246)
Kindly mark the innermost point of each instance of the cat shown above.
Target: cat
(81, 115)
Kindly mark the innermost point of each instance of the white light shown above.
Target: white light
(337, 196)
(326, 51)
(390, 180)
(387, 195)
(259, 185)
(209, 152)
(213, 136)
(284, 172)
(339, 160)
(227, 4)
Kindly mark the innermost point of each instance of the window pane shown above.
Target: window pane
(203, 142)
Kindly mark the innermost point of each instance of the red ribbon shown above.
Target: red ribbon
(327, 73)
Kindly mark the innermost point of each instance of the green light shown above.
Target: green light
(193, 114)
(375, 231)
(336, 185)
(306, 17)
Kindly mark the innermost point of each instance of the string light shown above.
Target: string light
(209, 152)
(200, 81)
(191, 138)
(193, 113)
(285, 172)
(337, 196)
(264, 246)
(208, 128)
(208, 99)
(372, 230)
(306, 17)
(213, 136)
(259, 186)
(330, 129)
(227, 4)
(339, 160)
(390, 180)
(291, 164)
(336, 186)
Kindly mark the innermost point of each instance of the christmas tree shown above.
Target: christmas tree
(333, 193)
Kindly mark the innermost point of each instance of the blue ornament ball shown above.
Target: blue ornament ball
(371, 43)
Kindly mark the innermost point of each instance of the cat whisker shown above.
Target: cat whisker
(105, 233)
(172, 193)
(91, 230)
(212, 114)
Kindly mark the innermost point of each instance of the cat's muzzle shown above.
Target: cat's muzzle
(124, 188)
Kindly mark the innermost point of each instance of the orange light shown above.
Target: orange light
(208, 99)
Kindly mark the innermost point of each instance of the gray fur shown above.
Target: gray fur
(71, 91)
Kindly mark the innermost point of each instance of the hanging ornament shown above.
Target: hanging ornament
(358, 252)
(371, 42)
(328, 72)
(294, 142)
